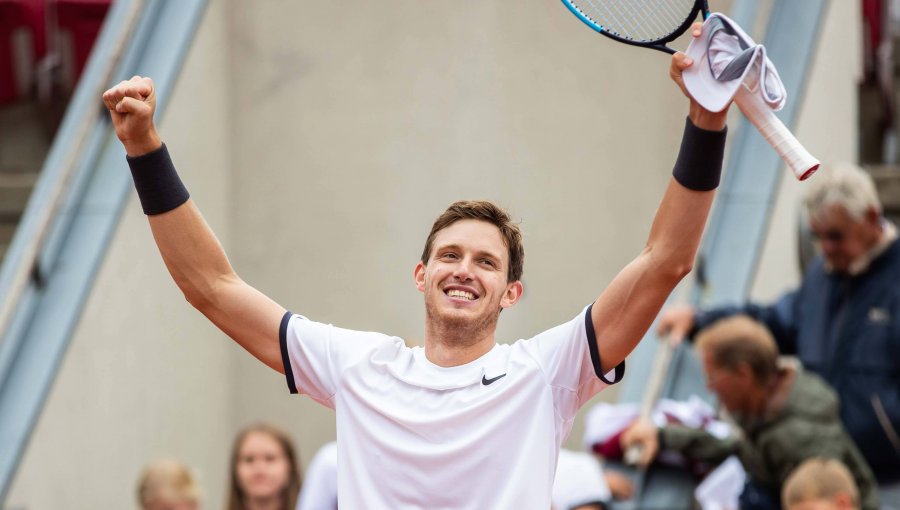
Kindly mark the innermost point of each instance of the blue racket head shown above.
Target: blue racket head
(646, 23)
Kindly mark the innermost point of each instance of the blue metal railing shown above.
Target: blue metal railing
(66, 228)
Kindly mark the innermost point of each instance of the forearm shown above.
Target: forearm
(192, 253)
(676, 232)
(678, 225)
(779, 318)
(625, 310)
(697, 444)
(200, 268)
(188, 246)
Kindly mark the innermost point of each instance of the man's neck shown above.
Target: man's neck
(767, 400)
(454, 350)
(780, 391)
(881, 240)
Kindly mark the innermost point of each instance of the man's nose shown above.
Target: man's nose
(463, 269)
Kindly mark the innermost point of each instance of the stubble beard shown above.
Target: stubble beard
(458, 329)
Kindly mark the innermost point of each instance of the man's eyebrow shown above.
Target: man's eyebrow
(489, 254)
(478, 253)
(442, 247)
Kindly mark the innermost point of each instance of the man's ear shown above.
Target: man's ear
(873, 216)
(419, 276)
(512, 295)
(745, 371)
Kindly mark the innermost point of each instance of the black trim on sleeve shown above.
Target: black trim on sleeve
(595, 353)
(699, 163)
(157, 183)
(285, 358)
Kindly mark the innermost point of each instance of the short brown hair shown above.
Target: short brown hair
(740, 339)
(490, 212)
(819, 478)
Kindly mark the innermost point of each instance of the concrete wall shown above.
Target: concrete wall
(357, 133)
(321, 146)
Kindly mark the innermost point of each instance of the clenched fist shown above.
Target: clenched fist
(131, 106)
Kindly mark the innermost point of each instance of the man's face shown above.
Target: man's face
(465, 280)
(842, 238)
(732, 387)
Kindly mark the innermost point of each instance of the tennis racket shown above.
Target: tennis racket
(653, 24)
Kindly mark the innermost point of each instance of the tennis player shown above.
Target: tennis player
(465, 422)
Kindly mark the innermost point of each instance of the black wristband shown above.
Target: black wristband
(158, 186)
(699, 163)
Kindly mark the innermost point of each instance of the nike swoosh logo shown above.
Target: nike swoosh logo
(485, 381)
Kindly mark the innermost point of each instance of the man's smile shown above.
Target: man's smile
(461, 293)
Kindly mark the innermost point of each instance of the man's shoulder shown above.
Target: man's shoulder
(892, 255)
(357, 343)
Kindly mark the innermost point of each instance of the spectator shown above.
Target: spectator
(820, 484)
(264, 470)
(841, 321)
(579, 483)
(320, 487)
(168, 485)
(785, 415)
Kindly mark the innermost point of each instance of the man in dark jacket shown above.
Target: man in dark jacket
(785, 416)
(841, 322)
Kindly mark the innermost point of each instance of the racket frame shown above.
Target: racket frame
(700, 7)
(791, 151)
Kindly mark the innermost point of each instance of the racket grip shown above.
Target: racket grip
(797, 158)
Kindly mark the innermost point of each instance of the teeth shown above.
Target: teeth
(461, 294)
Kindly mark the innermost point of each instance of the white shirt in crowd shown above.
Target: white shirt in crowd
(320, 481)
(579, 481)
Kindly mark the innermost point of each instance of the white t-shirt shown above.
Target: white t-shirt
(415, 435)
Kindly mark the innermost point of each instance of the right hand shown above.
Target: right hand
(675, 323)
(131, 106)
(620, 486)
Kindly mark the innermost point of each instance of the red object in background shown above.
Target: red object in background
(83, 19)
(10, 20)
(14, 15)
(80, 18)
(611, 448)
(873, 12)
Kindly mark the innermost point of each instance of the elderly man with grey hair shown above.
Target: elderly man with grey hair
(843, 322)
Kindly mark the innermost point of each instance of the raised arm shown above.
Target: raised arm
(189, 248)
(627, 307)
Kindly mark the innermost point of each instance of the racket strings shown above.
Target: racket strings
(638, 20)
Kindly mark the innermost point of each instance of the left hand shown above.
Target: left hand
(645, 434)
(701, 117)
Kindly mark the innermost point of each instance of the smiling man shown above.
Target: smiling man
(465, 422)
